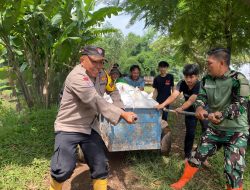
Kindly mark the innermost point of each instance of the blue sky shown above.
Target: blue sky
(121, 22)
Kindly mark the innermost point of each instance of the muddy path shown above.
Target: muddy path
(121, 176)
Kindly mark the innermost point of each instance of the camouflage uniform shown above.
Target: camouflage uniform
(234, 143)
(228, 95)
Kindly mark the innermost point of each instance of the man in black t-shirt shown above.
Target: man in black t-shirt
(163, 85)
(190, 88)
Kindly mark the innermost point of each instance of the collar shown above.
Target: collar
(224, 76)
(134, 80)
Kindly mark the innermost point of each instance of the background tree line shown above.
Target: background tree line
(196, 26)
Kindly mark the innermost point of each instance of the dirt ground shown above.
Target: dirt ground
(121, 176)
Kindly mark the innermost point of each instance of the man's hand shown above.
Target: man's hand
(141, 88)
(215, 117)
(201, 113)
(179, 109)
(160, 106)
(218, 115)
(129, 117)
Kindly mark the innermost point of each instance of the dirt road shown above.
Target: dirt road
(121, 176)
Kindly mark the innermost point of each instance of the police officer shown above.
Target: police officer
(77, 120)
(225, 92)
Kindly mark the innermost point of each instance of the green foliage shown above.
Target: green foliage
(3, 72)
(145, 51)
(43, 38)
(129, 62)
(197, 26)
(133, 44)
(112, 43)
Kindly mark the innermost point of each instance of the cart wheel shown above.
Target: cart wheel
(166, 141)
(80, 155)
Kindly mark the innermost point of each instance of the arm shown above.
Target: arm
(84, 89)
(189, 102)
(141, 88)
(155, 94)
(201, 99)
(172, 84)
(192, 98)
(172, 89)
(201, 102)
(169, 100)
(239, 101)
(142, 84)
(61, 94)
(172, 97)
(240, 93)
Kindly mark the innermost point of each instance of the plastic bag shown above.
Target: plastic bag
(134, 97)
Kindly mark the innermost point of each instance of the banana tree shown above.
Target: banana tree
(10, 12)
(44, 38)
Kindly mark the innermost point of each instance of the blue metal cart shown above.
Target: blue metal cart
(145, 134)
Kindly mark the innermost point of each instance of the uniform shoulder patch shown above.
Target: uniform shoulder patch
(242, 81)
(244, 85)
(85, 78)
(87, 81)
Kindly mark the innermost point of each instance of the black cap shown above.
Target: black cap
(115, 70)
(94, 51)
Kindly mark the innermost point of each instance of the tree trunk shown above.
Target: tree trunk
(14, 93)
(32, 60)
(13, 63)
(228, 25)
(46, 84)
(24, 87)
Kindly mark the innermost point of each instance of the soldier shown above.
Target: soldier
(225, 92)
(77, 120)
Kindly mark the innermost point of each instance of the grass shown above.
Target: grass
(6, 104)
(26, 143)
(27, 140)
(158, 172)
